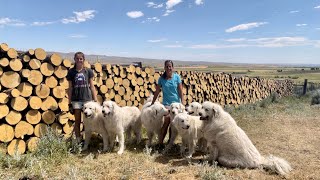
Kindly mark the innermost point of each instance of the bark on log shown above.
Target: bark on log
(33, 116)
(10, 79)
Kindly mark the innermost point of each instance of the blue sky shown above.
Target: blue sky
(235, 31)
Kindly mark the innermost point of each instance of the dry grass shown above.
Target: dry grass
(289, 128)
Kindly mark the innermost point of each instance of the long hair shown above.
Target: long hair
(164, 75)
(79, 53)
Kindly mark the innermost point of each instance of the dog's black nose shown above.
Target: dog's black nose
(200, 114)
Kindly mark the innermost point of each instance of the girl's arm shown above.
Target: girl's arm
(181, 93)
(155, 96)
(93, 90)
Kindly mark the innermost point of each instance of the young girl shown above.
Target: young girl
(171, 86)
(81, 89)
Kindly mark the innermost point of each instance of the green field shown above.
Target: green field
(298, 74)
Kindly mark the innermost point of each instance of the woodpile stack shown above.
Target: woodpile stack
(33, 92)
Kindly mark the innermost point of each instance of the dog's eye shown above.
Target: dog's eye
(206, 109)
(191, 105)
(182, 121)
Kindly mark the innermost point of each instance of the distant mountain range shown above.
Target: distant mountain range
(159, 62)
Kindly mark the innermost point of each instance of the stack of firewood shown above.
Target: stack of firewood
(33, 92)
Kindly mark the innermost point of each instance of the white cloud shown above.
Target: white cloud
(168, 12)
(198, 2)
(295, 11)
(77, 36)
(80, 17)
(154, 5)
(272, 42)
(171, 3)
(157, 40)
(135, 14)
(10, 22)
(153, 19)
(173, 46)
(300, 25)
(42, 23)
(317, 7)
(245, 26)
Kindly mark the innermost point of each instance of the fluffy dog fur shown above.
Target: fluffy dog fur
(175, 108)
(190, 129)
(152, 118)
(93, 122)
(119, 120)
(193, 109)
(230, 145)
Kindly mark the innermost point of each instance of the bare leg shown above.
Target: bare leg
(164, 129)
(77, 117)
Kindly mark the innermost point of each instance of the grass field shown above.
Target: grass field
(298, 74)
(288, 128)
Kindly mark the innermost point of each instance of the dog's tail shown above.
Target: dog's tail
(276, 165)
(150, 98)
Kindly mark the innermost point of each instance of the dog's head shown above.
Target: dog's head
(108, 107)
(159, 110)
(194, 108)
(176, 108)
(91, 109)
(210, 110)
(181, 121)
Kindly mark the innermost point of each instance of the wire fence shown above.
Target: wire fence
(302, 89)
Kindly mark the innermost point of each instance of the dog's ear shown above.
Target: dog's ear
(181, 106)
(214, 111)
(156, 112)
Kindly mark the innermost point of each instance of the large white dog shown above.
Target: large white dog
(230, 145)
(193, 109)
(175, 108)
(93, 122)
(152, 118)
(119, 120)
(190, 128)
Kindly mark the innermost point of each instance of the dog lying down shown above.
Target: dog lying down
(190, 129)
(229, 144)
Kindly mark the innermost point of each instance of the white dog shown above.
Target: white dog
(119, 120)
(152, 118)
(175, 108)
(193, 109)
(93, 122)
(190, 129)
(230, 145)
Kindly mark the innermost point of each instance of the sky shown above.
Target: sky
(232, 31)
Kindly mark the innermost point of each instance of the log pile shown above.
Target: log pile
(33, 92)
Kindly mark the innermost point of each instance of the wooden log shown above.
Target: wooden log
(42, 91)
(4, 62)
(64, 104)
(25, 89)
(64, 117)
(34, 64)
(103, 89)
(59, 92)
(15, 64)
(16, 146)
(33, 116)
(49, 103)
(56, 127)
(12, 92)
(40, 54)
(25, 73)
(109, 83)
(48, 117)
(46, 69)
(60, 72)
(26, 58)
(68, 127)
(4, 110)
(4, 47)
(6, 133)
(35, 77)
(35, 102)
(55, 59)
(23, 128)
(12, 53)
(1, 71)
(98, 67)
(51, 82)
(4, 98)
(67, 63)
(19, 103)
(13, 117)
(32, 143)
(40, 130)
(10, 79)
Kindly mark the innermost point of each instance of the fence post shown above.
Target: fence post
(305, 86)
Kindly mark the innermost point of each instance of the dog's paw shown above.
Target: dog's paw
(120, 152)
